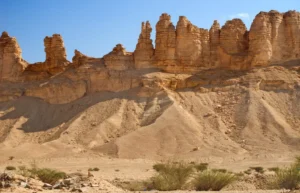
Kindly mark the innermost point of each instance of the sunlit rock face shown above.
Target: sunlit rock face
(144, 51)
(11, 63)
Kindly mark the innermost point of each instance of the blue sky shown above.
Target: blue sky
(94, 27)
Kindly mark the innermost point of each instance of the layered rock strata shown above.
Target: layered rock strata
(56, 57)
(144, 51)
(273, 38)
(11, 63)
(119, 59)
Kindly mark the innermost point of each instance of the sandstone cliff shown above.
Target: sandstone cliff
(144, 51)
(119, 58)
(234, 92)
(56, 58)
(273, 38)
(165, 44)
(11, 63)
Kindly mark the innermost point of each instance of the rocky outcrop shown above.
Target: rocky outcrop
(56, 58)
(119, 59)
(79, 58)
(11, 63)
(214, 40)
(292, 33)
(165, 44)
(192, 46)
(274, 37)
(144, 51)
(233, 37)
(58, 92)
(234, 45)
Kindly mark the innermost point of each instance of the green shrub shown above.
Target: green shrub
(10, 168)
(172, 176)
(47, 175)
(159, 167)
(258, 169)
(248, 172)
(135, 185)
(93, 169)
(201, 166)
(219, 170)
(210, 180)
(297, 162)
(287, 178)
(240, 174)
(274, 169)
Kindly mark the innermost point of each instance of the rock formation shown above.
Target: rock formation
(119, 59)
(79, 58)
(11, 63)
(214, 39)
(144, 51)
(192, 46)
(56, 58)
(273, 38)
(234, 45)
(165, 44)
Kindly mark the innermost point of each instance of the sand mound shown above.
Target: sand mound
(257, 121)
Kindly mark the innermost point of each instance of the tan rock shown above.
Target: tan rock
(79, 58)
(274, 37)
(165, 44)
(56, 58)
(55, 52)
(144, 51)
(214, 39)
(58, 92)
(233, 37)
(188, 45)
(260, 46)
(292, 31)
(11, 63)
(119, 59)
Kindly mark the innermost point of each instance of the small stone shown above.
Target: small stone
(47, 186)
(24, 185)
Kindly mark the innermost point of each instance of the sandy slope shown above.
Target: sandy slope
(258, 121)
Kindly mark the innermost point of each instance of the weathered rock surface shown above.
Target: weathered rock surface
(214, 39)
(79, 58)
(144, 51)
(119, 59)
(192, 45)
(273, 38)
(58, 92)
(165, 44)
(11, 63)
(56, 58)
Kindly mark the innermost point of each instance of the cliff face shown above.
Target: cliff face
(192, 45)
(273, 38)
(165, 44)
(119, 59)
(11, 63)
(144, 51)
(56, 57)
